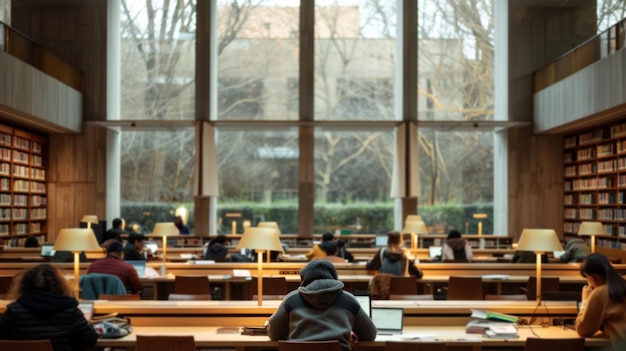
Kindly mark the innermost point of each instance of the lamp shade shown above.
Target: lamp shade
(165, 229)
(76, 239)
(260, 239)
(591, 228)
(90, 219)
(415, 227)
(413, 218)
(272, 225)
(539, 240)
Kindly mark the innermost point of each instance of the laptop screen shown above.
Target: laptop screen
(365, 302)
(152, 246)
(47, 250)
(140, 267)
(381, 241)
(387, 320)
(87, 308)
(558, 254)
(435, 251)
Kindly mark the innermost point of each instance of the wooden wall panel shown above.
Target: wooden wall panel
(535, 181)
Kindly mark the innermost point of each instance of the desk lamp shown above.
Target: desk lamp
(89, 219)
(592, 229)
(260, 239)
(413, 218)
(76, 240)
(539, 241)
(272, 225)
(415, 228)
(164, 229)
(480, 216)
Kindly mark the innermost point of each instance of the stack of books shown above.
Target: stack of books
(493, 325)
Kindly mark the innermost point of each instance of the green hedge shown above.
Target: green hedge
(368, 218)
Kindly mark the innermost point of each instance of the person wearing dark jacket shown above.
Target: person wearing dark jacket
(321, 310)
(134, 249)
(217, 250)
(46, 309)
(391, 259)
(343, 252)
(456, 248)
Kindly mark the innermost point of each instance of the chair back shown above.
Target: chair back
(271, 286)
(127, 297)
(421, 297)
(569, 344)
(189, 297)
(26, 345)
(403, 286)
(547, 284)
(414, 346)
(165, 343)
(465, 288)
(331, 345)
(95, 284)
(191, 284)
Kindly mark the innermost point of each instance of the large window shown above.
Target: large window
(609, 13)
(157, 59)
(258, 178)
(157, 171)
(257, 49)
(355, 59)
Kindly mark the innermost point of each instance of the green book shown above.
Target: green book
(494, 316)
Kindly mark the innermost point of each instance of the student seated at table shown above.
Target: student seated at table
(575, 250)
(603, 304)
(321, 310)
(135, 250)
(317, 251)
(343, 252)
(46, 309)
(456, 247)
(217, 250)
(114, 264)
(330, 248)
(391, 259)
(527, 257)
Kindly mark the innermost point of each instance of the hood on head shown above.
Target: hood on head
(317, 269)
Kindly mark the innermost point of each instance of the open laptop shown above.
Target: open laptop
(87, 308)
(47, 250)
(140, 267)
(380, 241)
(366, 303)
(388, 320)
(152, 246)
(435, 252)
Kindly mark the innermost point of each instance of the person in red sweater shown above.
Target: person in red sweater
(114, 264)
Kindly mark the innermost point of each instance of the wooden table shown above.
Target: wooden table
(208, 337)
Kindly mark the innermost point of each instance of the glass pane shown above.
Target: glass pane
(456, 180)
(157, 177)
(353, 181)
(355, 59)
(609, 13)
(258, 178)
(157, 59)
(455, 60)
(257, 48)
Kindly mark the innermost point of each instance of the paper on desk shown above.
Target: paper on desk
(241, 273)
(496, 276)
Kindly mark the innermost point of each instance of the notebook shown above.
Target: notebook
(388, 321)
(435, 251)
(140, 267)
(87, 308)
(366, 303)
(47, 250)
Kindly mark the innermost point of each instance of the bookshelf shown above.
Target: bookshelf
(23, 190)
(594, 185)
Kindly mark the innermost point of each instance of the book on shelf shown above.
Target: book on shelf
(493, 316)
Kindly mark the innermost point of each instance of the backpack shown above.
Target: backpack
(386, 266)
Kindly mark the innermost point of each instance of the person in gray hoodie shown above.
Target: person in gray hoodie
(321, 310)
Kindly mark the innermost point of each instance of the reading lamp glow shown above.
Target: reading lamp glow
(260, 239)
(413, 218)
(164, 229)
(539, 241)
(592, 229)
(272, 225)
(89, 219)
(76, 240)
(415, 228)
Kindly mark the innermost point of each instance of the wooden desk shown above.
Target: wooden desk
(207, 337)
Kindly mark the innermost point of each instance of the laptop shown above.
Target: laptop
(47, 250)
(152, 246)
(558, 254)
(380, 241)
(366, 303)
(140, 267)
(388, 321)
(435, 251)
(87, 308)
